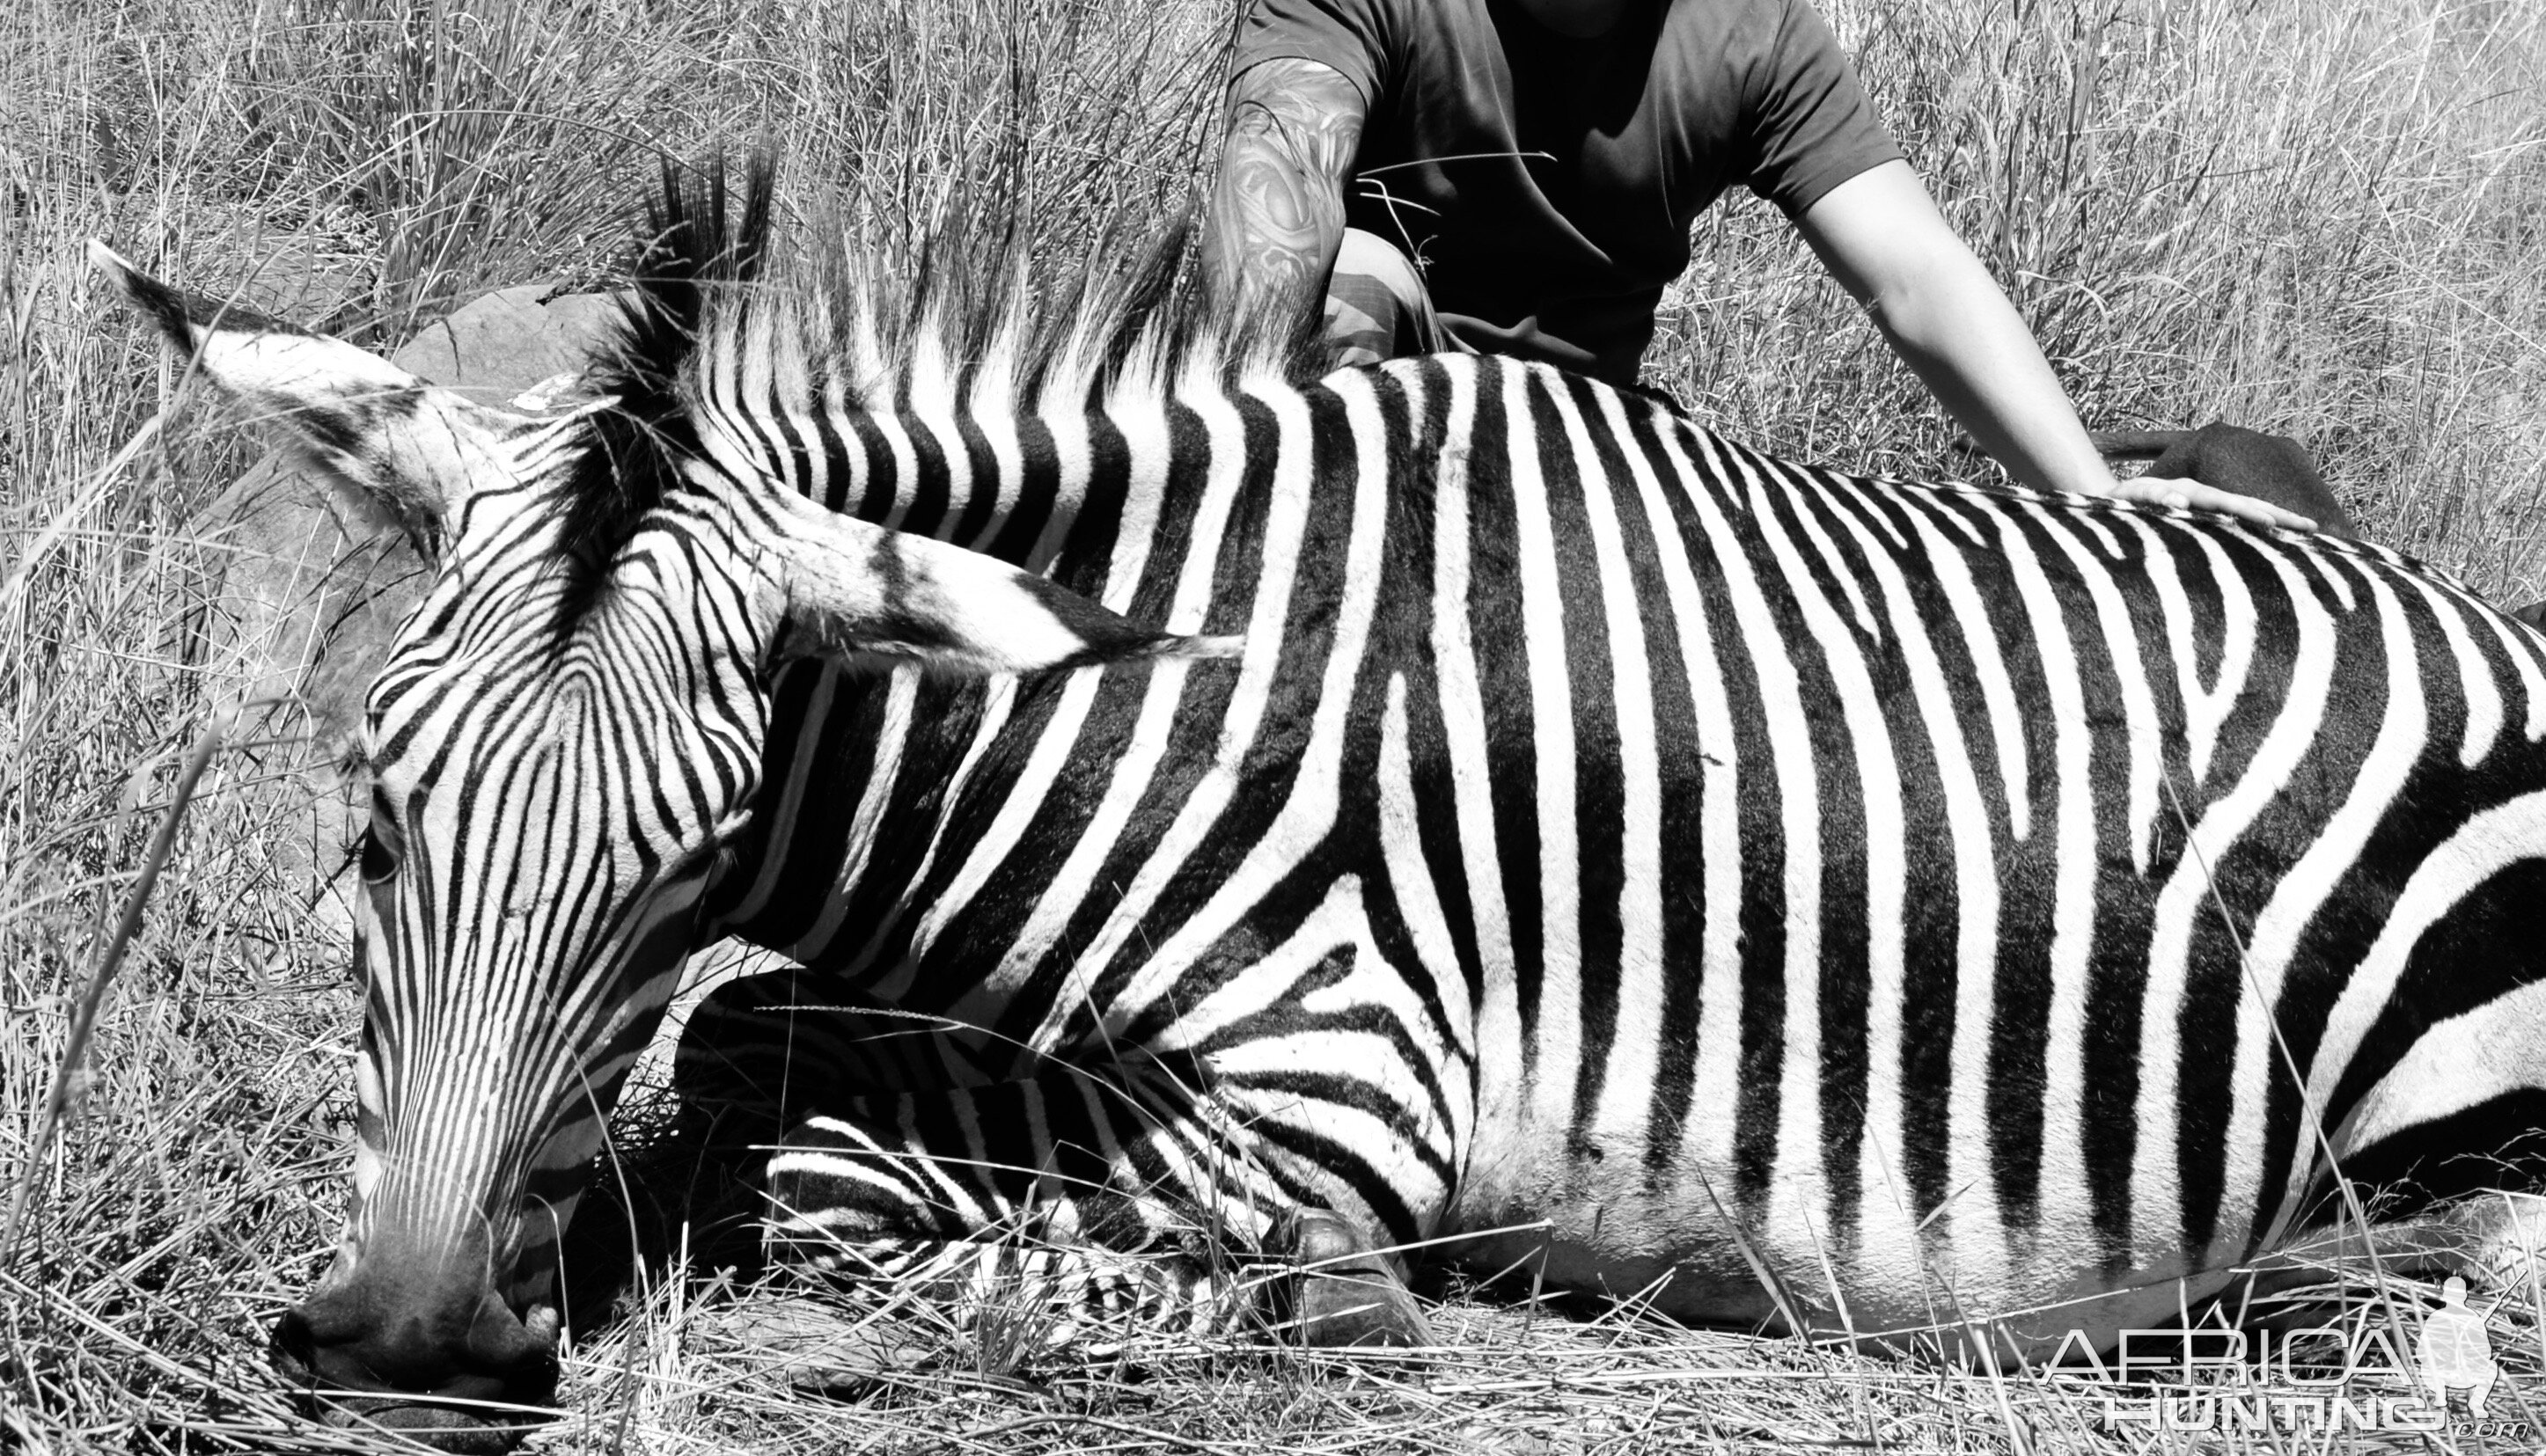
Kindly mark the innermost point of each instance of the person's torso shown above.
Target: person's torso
(1546, 184)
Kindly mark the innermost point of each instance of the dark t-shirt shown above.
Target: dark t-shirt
(1546, 185)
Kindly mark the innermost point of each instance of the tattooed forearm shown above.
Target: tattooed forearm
(1277, 214)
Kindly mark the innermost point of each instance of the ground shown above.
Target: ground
(2328, 221)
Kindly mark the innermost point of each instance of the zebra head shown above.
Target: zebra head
(564, 734)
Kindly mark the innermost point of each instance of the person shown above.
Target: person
(1519, 176)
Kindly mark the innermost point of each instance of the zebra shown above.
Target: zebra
(1533, 825)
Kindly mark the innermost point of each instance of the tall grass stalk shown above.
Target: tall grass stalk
(2326, 220)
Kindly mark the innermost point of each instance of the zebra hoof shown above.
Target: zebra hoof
(1349, 1293)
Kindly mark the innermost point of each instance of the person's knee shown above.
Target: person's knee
(1376, 306)
(2272, 468)
(1379, 264)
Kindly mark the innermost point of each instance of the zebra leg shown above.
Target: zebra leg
(1113, 1206)
(983, 1198)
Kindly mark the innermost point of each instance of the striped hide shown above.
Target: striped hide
(1528, 825)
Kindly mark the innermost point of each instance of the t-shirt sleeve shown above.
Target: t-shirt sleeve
(1811, 123)
(1351, 36)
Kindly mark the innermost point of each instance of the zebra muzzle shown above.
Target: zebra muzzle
(472, 1381)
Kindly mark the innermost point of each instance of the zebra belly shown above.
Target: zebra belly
(1587, 1210)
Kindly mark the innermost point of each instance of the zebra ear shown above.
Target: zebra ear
(855, 590)
(408, 452)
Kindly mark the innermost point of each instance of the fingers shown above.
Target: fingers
(2192, 495)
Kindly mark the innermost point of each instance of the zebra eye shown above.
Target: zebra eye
(383, 846)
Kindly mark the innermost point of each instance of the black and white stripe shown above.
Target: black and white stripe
(1611, 847)
(1610, 825)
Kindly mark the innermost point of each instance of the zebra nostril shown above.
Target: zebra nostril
(477, 1388)
(295, 1349)
(351, 1345)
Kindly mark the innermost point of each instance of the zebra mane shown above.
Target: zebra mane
(978, 322)
(630, 454)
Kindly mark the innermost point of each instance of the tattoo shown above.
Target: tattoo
(1277, 213)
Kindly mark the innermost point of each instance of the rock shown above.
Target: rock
(502, 345)
(307, 597)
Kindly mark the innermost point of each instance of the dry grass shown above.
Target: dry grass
(2326, 220)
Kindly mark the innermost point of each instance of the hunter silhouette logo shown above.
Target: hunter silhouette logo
(2320, 1380)
(2455, 1352)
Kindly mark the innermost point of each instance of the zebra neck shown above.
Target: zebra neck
(1024, 487)
(866, 777)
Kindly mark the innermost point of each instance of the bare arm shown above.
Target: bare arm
(1881, 238)
(1277, 211)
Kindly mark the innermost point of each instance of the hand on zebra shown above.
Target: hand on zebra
(2159, 490)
